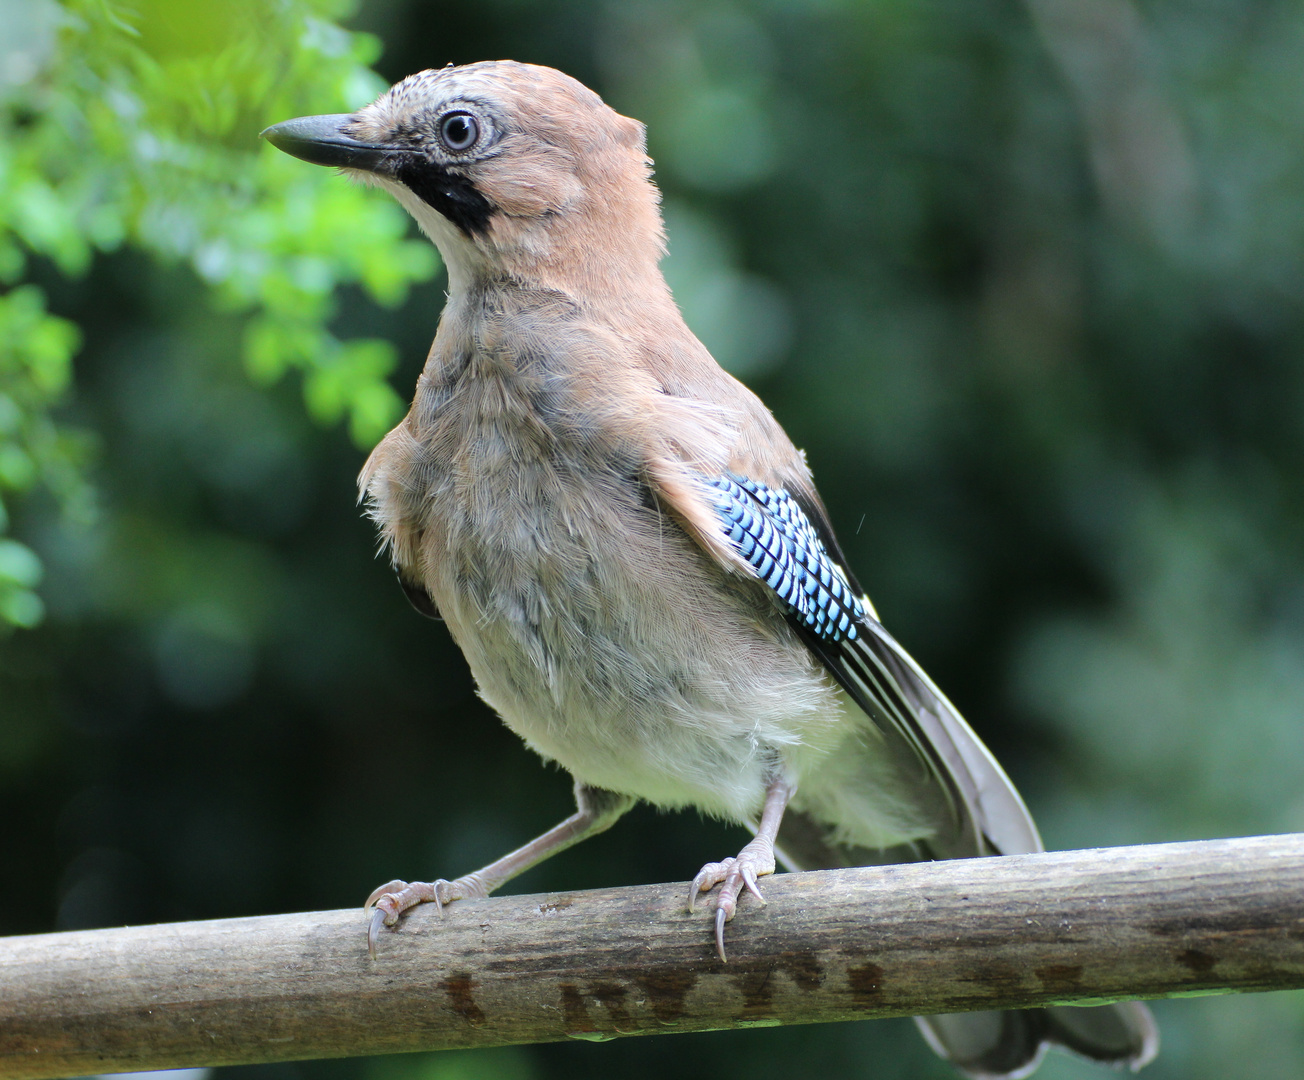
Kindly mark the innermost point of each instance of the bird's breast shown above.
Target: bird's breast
(602, 634)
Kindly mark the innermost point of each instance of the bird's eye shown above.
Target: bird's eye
(459, 131)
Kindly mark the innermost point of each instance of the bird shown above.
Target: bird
(629, 549)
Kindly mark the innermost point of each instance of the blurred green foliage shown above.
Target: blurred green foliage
(133, 125)
(1025, 280)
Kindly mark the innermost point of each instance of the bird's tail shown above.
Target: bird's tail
(997, 1044)
(959, 786)
(991, 1045)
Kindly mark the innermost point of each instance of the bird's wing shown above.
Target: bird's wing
(788, 545)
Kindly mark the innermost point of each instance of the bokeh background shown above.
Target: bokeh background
(1024, 277)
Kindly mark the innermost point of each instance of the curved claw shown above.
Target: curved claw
(707, 879)
(721, 917)
(386, 913)
(373, 931)
(697, 885)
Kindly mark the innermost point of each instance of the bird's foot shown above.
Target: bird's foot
(733, 875)
(392, 899)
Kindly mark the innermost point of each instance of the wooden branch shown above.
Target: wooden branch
(1210, 917)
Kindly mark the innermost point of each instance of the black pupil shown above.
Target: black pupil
(460, 132)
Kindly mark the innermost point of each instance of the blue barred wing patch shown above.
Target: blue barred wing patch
(978, 812)
(776, 538)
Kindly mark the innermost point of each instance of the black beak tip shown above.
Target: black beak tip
(321, 141)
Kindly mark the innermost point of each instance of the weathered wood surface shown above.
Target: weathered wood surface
(1083, 926)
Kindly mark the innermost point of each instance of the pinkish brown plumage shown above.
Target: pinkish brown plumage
(628, 548)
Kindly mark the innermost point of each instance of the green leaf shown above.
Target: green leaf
(20, 607)
(18, 564)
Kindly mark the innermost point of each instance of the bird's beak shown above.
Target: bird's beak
(321, 140)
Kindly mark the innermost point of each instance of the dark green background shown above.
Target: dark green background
(1024, 280)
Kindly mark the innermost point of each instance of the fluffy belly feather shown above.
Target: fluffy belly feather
(697, 702)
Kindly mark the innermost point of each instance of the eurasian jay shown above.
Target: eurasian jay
(629, 549)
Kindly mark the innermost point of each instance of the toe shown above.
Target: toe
(707, 879)
(733, 875)
(389, 887)
(392, 899)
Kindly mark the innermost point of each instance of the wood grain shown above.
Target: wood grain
(1208, 917)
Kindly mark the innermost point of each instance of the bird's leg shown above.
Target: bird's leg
(754, 861)
(596, 811)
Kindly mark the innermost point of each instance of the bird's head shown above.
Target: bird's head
(509, 168)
